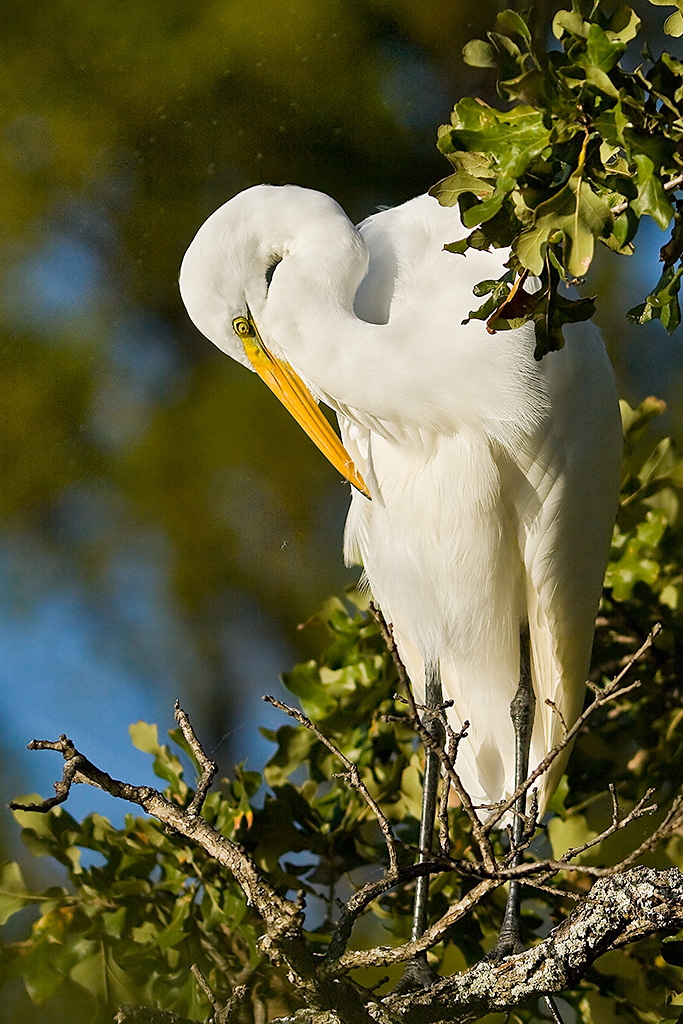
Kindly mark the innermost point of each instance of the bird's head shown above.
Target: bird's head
(228, 267)
(225, 279)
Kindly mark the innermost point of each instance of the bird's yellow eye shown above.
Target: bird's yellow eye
(242, 327)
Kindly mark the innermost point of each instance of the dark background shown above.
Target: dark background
(164, 525)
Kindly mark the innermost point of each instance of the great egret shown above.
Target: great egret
(485, 482)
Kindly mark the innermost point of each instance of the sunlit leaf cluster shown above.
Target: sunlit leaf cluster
(588, 147)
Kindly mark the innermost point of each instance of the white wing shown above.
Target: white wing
(564, 501)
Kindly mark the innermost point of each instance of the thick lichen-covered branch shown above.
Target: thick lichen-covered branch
(617, 911)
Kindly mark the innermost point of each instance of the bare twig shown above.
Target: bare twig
(671, 825)
(208, 767)
(352, 775)
(444, 830)
(618, 910)
(77, 769)
(283, 938)
(617, 824)
(363, 897)
(280, 915)
(556, 711)
(222, 1014)
(384, 956)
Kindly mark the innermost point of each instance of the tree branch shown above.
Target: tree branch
(208, 767)
(618, 910)
(282, 917)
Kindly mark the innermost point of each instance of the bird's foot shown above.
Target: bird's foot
(418, 974)
(509, 942)
(510, 936)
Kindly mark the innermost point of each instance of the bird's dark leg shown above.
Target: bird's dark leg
(433, 699)
(417, 972)
(522, 710)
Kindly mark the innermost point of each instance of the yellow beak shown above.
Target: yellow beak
(297, 399)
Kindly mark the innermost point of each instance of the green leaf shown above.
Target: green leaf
(53, 834)
(662, 303)
(512, 22)
(673, 26)
(449, 190)
(560, 310)
(14, 895)
(40, 969)
(90, 972)
(579, 214)
(481, 212)
(570, 23)
(98, 973)
(41, 825)
(603, 52)
(167, 766)
(638, 560)
(652, 530)
(611, 124)
(569, 833)
(145, 737)
(672, 251)
(458, 248)
(601, 80)
(599, 1009)
(175, 930)
(635, 420)
(114, 922)
(479, 54)
(478, 127)
(529, 248)
(664, 465)
(651, 199)
(145, 934)
(294, 746)
(556, 803)
(624, 24)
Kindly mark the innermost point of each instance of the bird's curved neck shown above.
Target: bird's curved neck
(310, 320)
(418, 370)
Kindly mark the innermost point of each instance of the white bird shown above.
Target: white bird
(485, 481)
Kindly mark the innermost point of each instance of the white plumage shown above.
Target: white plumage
(493, 476)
